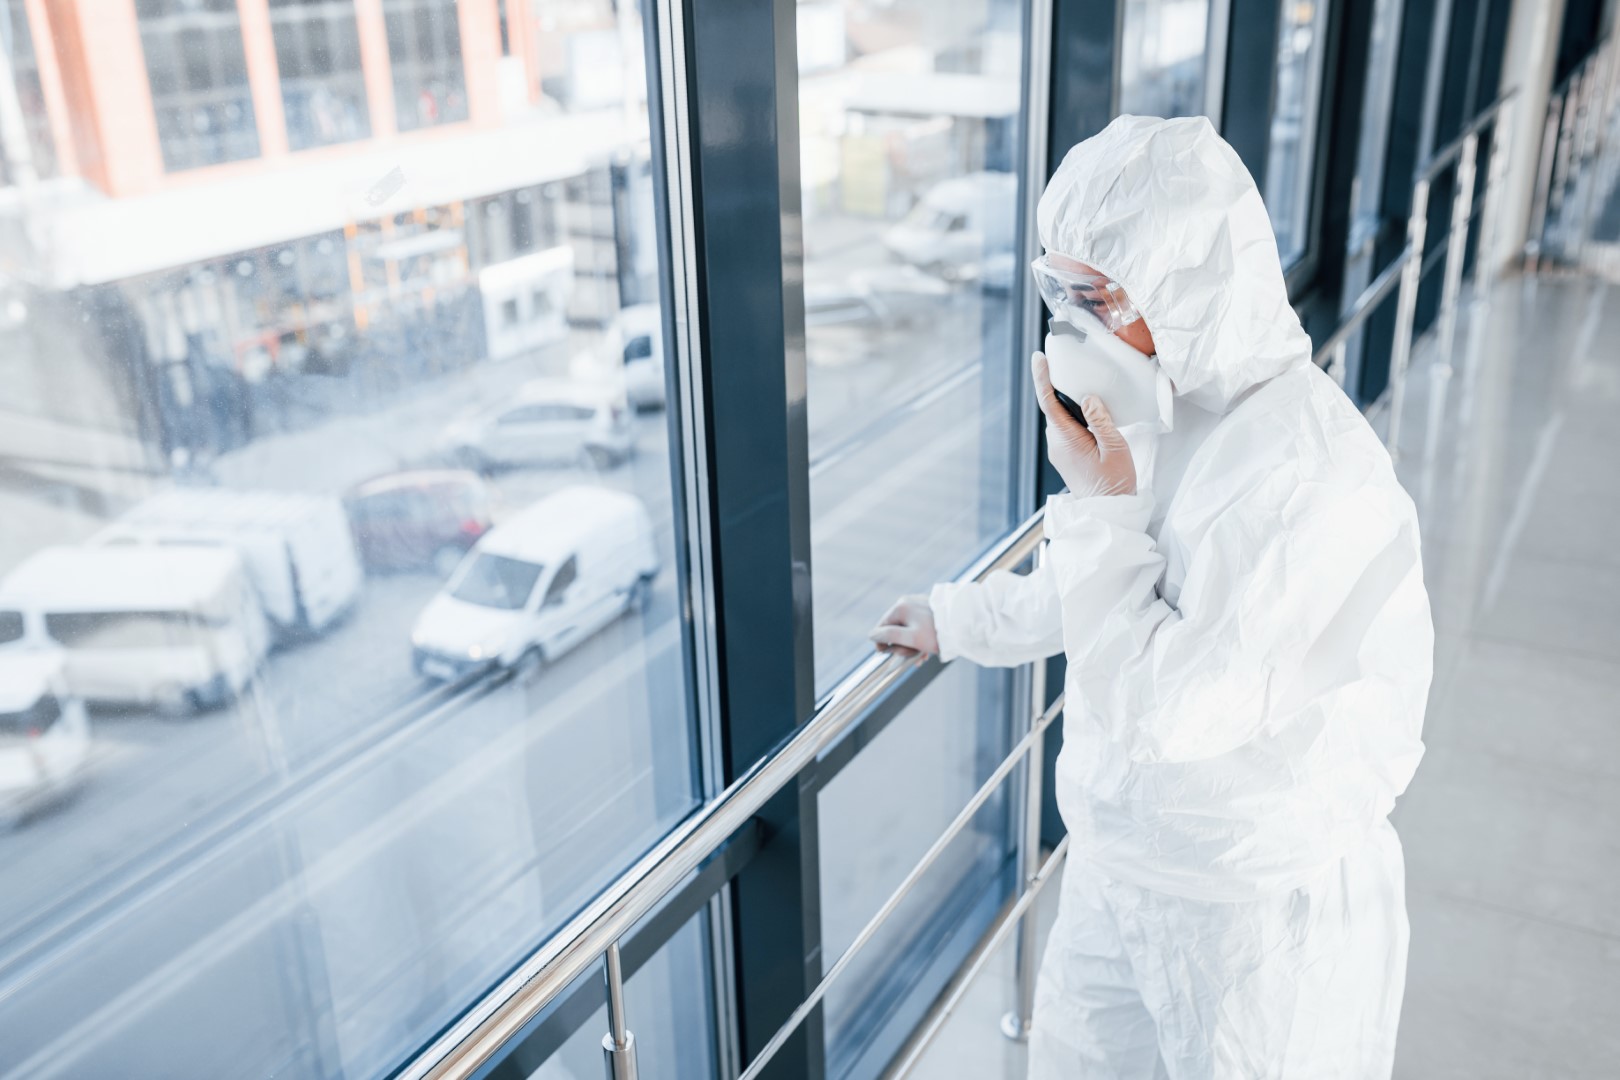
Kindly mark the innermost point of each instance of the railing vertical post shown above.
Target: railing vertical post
(1536, 242)
(1417, 227)
(1336, 362)
(1566, 141)
(1462, 210)
(1016, 1024)
(618, 1045)
(1489, 227)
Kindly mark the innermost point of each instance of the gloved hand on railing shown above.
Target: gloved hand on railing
(907, 630)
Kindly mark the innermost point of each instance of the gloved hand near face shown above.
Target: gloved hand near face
(1091, 462)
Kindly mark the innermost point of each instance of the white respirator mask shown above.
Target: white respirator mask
(1085, 360)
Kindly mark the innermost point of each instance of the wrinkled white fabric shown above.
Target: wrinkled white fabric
(1085, 359)
(1249, 642)
(1299, 985)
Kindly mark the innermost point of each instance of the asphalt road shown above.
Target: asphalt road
(308, 881)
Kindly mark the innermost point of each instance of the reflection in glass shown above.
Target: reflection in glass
(496, 581)
(424, 51)
(323, 88)
(908, 123)
(229, 424)
(1301, 45)
(33, 154)
(198, 79)
(1372, 144)
(876, 819)
(1163, 59)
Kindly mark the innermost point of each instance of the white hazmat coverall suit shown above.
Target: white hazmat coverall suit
(1249, 652)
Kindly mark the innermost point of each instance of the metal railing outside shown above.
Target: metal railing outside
(1404, 274)
(595, 933)
(1578, 160)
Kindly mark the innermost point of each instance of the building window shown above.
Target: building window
(1301, 46)
(198, 75)
(322, 87)
(38, 150)
(1163, 66)
(515, 223)
(424, 47)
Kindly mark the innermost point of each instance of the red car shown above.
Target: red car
(420, 520)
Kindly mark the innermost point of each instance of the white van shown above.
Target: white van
(962, 229)
(540, 583)
(44, 733)
(639, 337)
(298, 549)
(176, 628)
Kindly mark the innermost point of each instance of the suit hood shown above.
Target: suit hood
(1166, 208)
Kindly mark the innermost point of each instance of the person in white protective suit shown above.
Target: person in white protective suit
(1237, 585)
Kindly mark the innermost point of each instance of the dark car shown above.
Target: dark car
(421, 520)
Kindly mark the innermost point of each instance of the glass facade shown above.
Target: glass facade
(1290, 172)
(371, 559)
(1372, 148)
(323, 90)
(371, 588)
(1164, 58)
(197, 71)
(876, 819)
(908, 158)
(424, 49)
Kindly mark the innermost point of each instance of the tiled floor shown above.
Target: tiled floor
(1512, 826)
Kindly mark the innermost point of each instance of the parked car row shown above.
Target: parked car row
(176, 606)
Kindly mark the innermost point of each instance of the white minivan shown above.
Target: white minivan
(539, 583)
(44, 732)
(298, 549)
(175, 628)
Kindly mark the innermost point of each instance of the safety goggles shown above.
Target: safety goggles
(1098, 294)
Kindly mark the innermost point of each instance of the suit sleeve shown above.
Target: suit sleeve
(1003, 621)
(1270, 574)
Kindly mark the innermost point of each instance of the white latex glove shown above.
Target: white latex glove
(907, 630)
(1091, 462)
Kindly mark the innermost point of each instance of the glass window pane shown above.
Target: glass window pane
(908, 121)
(877, 818)
(37, 154)
(1372, 145)
(424, 49)
(323, 90)
(259, 512)
(1163, 58)
(197, 75)
(1301, 45)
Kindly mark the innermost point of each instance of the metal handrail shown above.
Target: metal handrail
(1331, 354)
(1573, 134)
(1438, 161)
(1028, 746)
(1406, 269)
(501, 1014)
